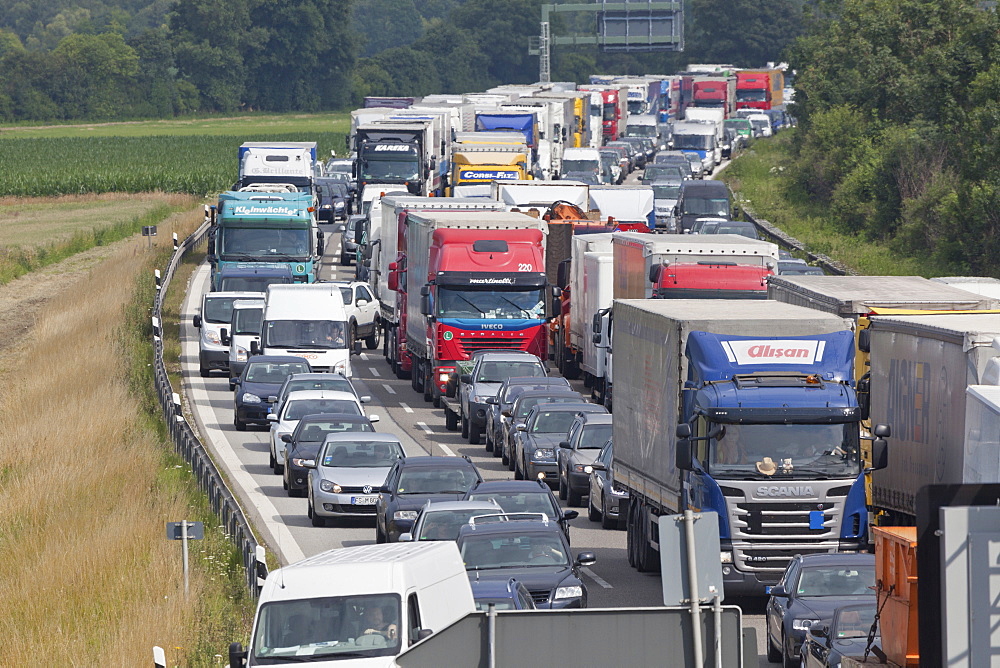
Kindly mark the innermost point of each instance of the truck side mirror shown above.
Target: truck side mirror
(596, 339)
(882, 431)
(224, 337)
(425, 305)
(392, 281)
(880, 454)
(562, 272)
(865, 340)
(237, 656)
(654, 273)
(684, 460)
(359, 232)
(595, 326)
(255, 348)
(683, 430)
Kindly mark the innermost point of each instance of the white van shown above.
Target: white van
(310, 321)
(577, 161)
(244, 327)
(357, 606)
(215, 313)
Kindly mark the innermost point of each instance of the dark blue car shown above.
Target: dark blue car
(262, 378)
(509, 595)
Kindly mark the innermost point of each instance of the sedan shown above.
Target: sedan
(827, 645)
(536, 440)
(812, 587)
(441, 520)
(534, 552)
(261, 379)
(522, 405)
(307, 402)
(587, 435)
(316, 381)
(498, 407)
(303, 445)
(345, 479)
(414, 481)
(607, 498)
(523, 496)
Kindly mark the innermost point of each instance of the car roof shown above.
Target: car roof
(329, 417)
(595, 418)
(361, 435)
(705, 185)
(570, 408)
(558, 381)
(237, 294)
(321, 394)
(534, 486)
(437, 462)
(549, 393)
(509, 356)
(514, 527)
(316, 375)
(837, 559)
(442, 506)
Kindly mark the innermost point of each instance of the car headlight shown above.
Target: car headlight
(405, 515)
(241, 354)
(543, 453)
(213, 337)
(303, 463)
(727, 557)
(803, 624)
(582, 468)
(339, 205)
(326, 206)
(328, 486)
(250, 398)
(569, 592)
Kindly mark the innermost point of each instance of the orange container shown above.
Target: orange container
(896, 567)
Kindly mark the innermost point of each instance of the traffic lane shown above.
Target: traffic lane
(244, 456)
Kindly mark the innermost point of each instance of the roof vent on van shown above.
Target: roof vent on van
(490, 246)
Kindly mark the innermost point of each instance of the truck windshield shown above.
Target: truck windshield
(710, 103)
(694, 142)
(335, 627)
(580, 166)
(236, 243)
(380, 165)
(635, 106)
(248, 321)
(751, 95)
(706, 206)
(490, 304)
(290, 334)
(610, 110)
(640, 131)
(786, 450)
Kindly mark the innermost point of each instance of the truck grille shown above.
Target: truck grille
(470, 344)
(754, 520)
(770, 559)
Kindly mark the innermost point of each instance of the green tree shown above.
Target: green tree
(501, 28)
(96, 73)
(412, 72)
(744, 33)
(384, 24)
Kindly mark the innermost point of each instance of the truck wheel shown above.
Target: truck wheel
(465, 426)
(450, 420)
(475, 431)
(647, 559)
(588, 380)
(371, 342)
(573, 498)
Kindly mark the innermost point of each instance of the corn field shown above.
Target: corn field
(197, 165)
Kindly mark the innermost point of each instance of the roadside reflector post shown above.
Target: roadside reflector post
(159, 657)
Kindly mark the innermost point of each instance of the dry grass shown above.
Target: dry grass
(87, 576)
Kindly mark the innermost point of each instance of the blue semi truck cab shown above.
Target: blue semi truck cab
(270, 229)
(747, 409)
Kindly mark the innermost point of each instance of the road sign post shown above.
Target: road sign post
(185, 531)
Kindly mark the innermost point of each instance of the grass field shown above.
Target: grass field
(762, 176)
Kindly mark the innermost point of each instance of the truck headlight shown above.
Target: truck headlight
(328, 486)
(727, 557)
(803, 624)
(569, 592)
(409, 515)
(250, 398)
(241, 354)
(543, 453)
(213, 337)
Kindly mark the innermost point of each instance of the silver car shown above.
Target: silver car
(345, 478)
(441, 520)
(316, 381)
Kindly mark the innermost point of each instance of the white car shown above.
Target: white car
(298, 382)
(307, 402)
(362, 313)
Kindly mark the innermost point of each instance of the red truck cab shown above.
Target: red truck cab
(753, 90)
(711, 280)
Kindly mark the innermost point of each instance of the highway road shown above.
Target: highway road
(281, 520)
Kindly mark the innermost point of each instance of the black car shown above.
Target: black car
(498, 407)
(812, 587)
(536, 441)
(261, 379)
(607, 499)
(827, 645)
(523, 496)
(333, 196)
(534, 552)
(576, 454)
(519, 410)
(304, 444)
(668, 172)
(414, 481)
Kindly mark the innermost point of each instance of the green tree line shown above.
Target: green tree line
(99, 59)
(898, 104)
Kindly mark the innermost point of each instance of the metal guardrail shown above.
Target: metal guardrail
(186, 442)
(778, 236)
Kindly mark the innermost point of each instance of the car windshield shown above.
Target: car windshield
(594, 436)
(243, 242)
(552, 422)
(711, 206)
(338, 383)
(445, 524)
(218, 309)
(837, 581)
(640, 130)
(498, 372)
(516, 550)
(248, 321)
(580, 166)
(527, 403)
(270, 372)
(519, 502)
(781, 451)
(251, 283)
(299, 408)
(315, 431)
(694, 142)
(361, 454)
(661, 171)
(290, 334)
(435, 481)
(490, 304)
(854, 622)
(326, 627)
(742, 230)
(665, 191)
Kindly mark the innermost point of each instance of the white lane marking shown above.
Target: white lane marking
(388, 389)
(446, 449)
(423, 425)
(364, 357)
(597, 578)
(405, 407)
(373, 371)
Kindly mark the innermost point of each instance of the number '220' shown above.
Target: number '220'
(525, 267)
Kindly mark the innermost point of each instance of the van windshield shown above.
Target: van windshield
(335, 627)
(715, 206)
(694, 142)
(248, 321)
(289, 334)
(218, 309)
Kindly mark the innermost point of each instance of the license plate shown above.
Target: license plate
(364, 500)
